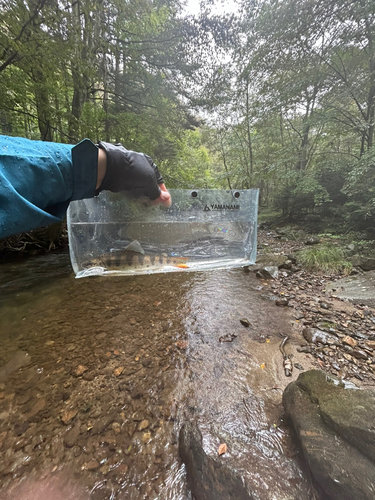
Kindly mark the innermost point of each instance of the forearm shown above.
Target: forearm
(38, 180)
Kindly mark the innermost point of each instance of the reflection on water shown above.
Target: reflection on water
(117, 363)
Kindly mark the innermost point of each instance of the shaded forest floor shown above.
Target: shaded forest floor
(37, 242)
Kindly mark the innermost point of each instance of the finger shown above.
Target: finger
(164, 198)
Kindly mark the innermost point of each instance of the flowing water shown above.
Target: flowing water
(97, 376)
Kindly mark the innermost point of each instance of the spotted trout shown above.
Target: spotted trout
(133, 257)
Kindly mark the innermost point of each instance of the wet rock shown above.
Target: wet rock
(71, 436)
(282, 302)
(37, 408)
(214, 477)
(21, 443)
(80, 370)
(68, 415)
(136, 393)
(245, 322)
(19, 360)
(91, 465)
(229, 337)
(147, 362)
(19, 459)
(108, 439)
(65, 395)
(143, 425)
(209, 477)
(102, 423)
(268, 272)
(77, 450)
(314, 336)
(335, 426)
(118, 371)
(146, 437)
(21, 427)
(138, 417)
(116, 427)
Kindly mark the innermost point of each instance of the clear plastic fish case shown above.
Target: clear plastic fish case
(203, 229)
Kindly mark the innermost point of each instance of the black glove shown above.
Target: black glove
(130, 171)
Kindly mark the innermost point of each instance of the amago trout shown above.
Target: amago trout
(133, 257)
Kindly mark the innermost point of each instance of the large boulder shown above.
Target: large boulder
(336, 427)
(209, 477)
(247, 472)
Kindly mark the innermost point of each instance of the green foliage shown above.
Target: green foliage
(105, 70)
(300, 194)
(360, 182)
(290, 85)
(301, 113)
(192, 166)
(324, 258)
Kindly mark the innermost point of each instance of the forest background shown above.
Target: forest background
(279, 94)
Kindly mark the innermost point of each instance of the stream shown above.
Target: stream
(97, 376)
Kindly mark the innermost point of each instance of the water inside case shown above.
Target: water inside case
(203, 229)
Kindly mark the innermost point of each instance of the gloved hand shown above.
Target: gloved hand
(130, 171)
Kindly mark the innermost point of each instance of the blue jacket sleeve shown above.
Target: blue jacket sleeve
(38, 180)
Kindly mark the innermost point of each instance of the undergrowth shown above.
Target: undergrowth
(324, 258)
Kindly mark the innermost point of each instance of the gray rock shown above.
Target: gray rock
(270, 259)
(102, 423)
(358, 289)
(286, 265)
(237, 475)
(335, 425)
(313, 240)
(209, 477)
(71, 436)
(314, 336)
(292, 258)
(19, 360)
(367, 264)
(268, 272)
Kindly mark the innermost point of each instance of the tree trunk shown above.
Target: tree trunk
(42, 104)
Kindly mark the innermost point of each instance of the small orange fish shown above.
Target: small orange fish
(182, 266)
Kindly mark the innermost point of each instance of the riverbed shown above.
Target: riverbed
(99, 374)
